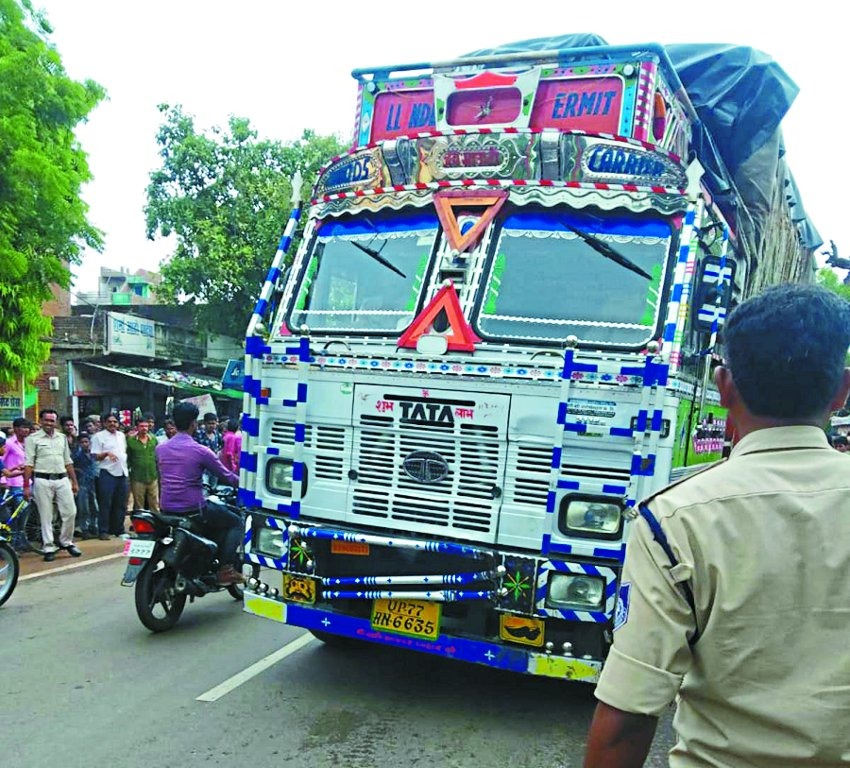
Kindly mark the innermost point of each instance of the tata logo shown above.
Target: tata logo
(430, 413)
(425, 467)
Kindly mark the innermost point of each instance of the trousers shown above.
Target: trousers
(46, 493)
(112, 500)
(145, 495)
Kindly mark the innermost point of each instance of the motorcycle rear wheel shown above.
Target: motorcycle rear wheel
(9, 571)
(157, 606)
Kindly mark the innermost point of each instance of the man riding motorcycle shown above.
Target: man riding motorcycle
(182, 462)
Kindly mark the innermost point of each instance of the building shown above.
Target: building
(132, 355)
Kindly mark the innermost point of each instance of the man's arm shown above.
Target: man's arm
(69, 468)
(27, 478)
(29, 463)
(618, 739)
(213, 465)
(650, 655)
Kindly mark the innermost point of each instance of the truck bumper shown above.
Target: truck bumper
(482, 652)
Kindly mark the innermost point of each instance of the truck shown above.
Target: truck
(497, 335)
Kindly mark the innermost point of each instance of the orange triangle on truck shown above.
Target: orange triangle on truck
(444, 311)
(447, 201)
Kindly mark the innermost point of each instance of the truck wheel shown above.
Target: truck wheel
(335, 641)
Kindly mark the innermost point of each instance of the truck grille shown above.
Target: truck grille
(466, 500)
(326, 444)
(529, 467)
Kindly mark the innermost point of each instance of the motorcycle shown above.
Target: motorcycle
(171, 559)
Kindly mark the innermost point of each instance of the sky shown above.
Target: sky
(286, 67)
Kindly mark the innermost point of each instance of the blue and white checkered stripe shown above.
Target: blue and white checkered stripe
(649, 419)
(723, 275)
(555, 566)
(436, 596)
(446, 579)
(255, 348)
(653, 375)
(253, 400)
(441, 547)
(274, 273)
(561, 426)
(677, 308)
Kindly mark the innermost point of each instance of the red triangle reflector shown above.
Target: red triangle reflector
(458, 333)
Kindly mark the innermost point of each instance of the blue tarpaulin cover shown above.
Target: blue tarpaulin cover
(740, 96)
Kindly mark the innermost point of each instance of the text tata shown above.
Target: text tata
(578, 104)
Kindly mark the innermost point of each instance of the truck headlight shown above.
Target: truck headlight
(591, 517)
(575, 590)
(279, 477)
(270, 542)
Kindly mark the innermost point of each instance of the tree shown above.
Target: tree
(43, 220)
(828, 279)
(225, 196)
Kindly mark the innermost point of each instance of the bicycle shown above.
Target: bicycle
(20, 523)
(10, 569)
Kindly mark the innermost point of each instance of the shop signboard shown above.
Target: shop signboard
(130, 335)
(11, 406)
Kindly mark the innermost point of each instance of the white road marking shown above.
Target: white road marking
(214, 694)
(71, 567)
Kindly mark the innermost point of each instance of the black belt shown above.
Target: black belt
(50, 475)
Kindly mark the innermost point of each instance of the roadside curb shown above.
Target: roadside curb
(71, 566)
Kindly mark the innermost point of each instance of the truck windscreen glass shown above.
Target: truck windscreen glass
(594, 276)
(365, 274)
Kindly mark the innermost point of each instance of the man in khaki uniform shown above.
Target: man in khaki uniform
(735, 595)
(48, 460)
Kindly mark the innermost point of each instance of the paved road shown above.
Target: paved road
(86, 685)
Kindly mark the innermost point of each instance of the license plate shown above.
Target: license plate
(414, 618)
(139, 548)
(520, 629)
(349, 547)
(299, 589)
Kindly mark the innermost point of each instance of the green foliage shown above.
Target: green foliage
(828, 279)
(43, 221)
(225, 196)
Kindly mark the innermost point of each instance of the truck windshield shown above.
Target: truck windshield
(597, 276)
(365, 274)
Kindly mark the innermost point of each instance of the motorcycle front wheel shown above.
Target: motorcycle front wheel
(9, 571)
(157, 606)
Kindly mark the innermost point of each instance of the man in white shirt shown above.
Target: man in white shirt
(109, 448)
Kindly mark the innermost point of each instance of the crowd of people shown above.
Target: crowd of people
(95, 477)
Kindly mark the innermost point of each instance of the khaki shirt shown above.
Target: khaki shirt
(47, 454)
(763, 542)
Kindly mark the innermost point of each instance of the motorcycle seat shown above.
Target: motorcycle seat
(179, 520)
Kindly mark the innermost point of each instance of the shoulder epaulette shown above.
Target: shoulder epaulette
(690, 476)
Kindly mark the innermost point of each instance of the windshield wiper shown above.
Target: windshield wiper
(600, 246)
(376, 255)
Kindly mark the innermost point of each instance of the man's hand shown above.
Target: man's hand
(27, 492)
(618, 739)
(74, 487)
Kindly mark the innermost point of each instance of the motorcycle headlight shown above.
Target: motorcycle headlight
(270, 542)
(279, 477)
(594, 518)
(575, 590)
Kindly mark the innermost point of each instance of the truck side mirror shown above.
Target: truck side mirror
(713, 293)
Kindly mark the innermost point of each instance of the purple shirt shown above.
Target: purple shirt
(13, 458)
(181, 463)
